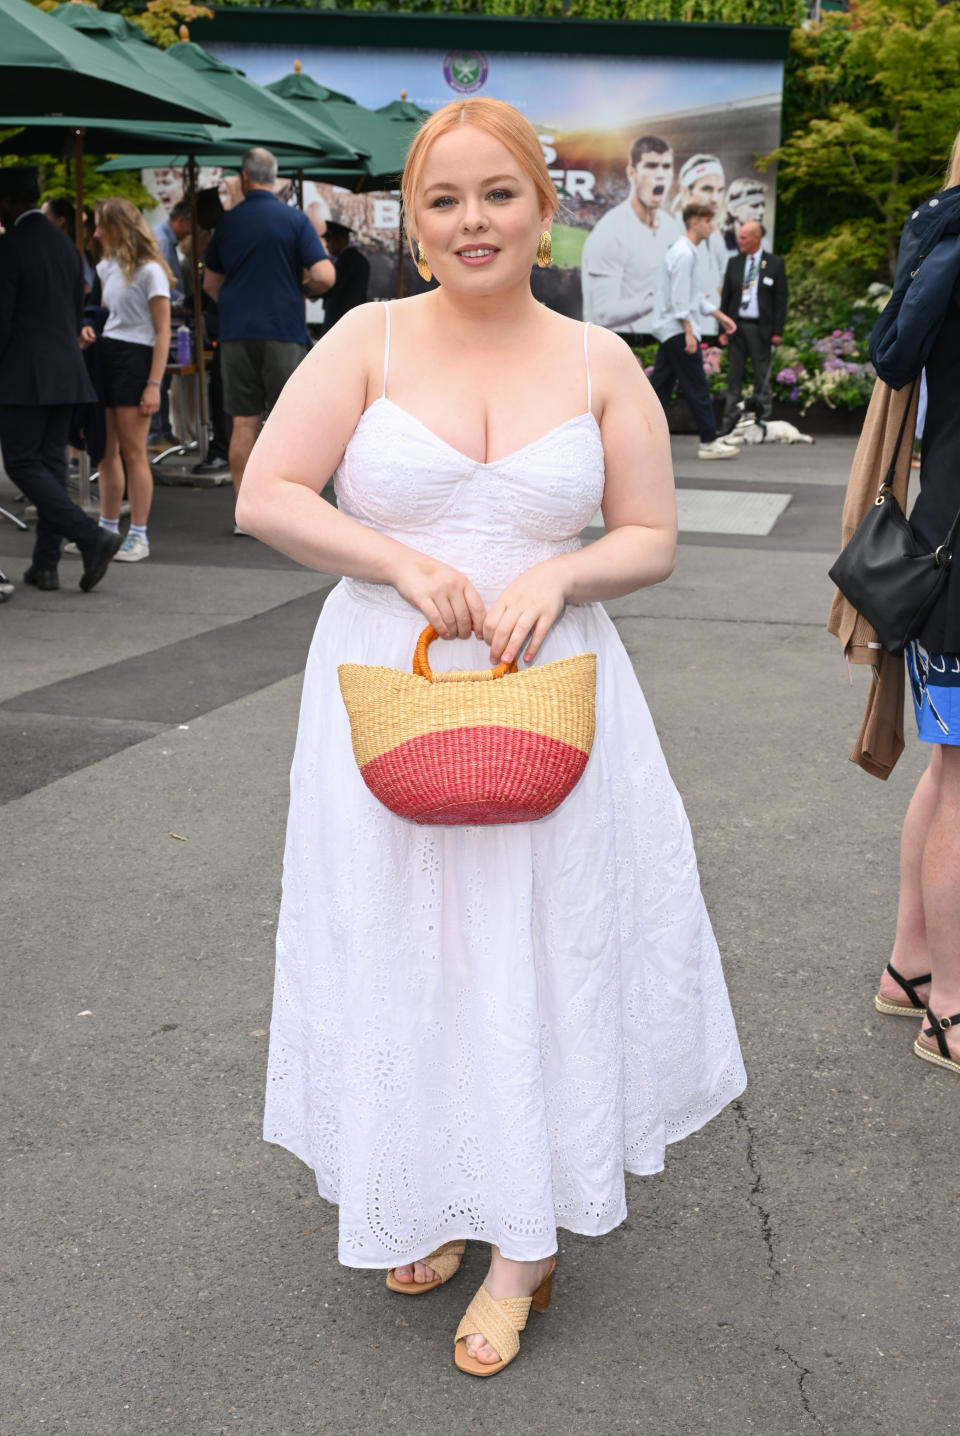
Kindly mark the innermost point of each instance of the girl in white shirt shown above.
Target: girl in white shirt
(135, 348)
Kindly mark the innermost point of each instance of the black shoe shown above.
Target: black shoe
(96, 560)
(211, 466)
(46, 578)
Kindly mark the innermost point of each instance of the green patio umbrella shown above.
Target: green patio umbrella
(384, 139)
(251, 109)
(47, 71)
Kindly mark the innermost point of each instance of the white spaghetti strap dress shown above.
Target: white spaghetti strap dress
(477, 1030)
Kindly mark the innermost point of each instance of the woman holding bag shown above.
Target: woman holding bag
(478, 1028)
(922, 979)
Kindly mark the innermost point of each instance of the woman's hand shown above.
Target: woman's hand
(88, 336)
(150, 399)
(526, 610)
(444, 596)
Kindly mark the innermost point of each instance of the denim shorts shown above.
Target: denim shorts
(935, 683)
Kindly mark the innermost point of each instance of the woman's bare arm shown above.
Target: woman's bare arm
(299, 448)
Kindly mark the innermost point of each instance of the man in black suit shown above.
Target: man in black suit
(755, 294)
(42, 377)
(353, 274)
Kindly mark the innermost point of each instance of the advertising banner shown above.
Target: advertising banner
(628, 140)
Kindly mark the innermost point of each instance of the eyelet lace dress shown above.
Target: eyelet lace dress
(476, 1030)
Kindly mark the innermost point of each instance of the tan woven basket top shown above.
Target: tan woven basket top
(387, 707)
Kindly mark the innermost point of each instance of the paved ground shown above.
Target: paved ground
(793, 1271)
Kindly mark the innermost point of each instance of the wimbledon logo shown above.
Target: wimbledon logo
(466, 71)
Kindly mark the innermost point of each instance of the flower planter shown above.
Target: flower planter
(819, 418)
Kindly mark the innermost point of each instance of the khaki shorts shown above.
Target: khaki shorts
(254, 371)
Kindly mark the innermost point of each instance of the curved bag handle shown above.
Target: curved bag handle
(422, 669)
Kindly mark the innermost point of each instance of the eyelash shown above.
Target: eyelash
(440, 202)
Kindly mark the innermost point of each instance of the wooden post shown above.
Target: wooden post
(204, 416)
(78, 233)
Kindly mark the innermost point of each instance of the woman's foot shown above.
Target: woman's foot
(504, 1279)
(417, 1271)
(945, 1006)
(892, 990)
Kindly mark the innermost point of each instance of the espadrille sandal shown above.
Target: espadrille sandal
(445, 1261)
(940, 1054)
(895, 1006)
(500, 1324)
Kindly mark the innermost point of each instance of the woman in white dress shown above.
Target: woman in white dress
(477, 1030)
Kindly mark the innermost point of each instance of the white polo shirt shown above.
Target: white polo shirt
(620, 268)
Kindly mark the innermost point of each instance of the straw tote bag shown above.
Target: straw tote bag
(487, 746)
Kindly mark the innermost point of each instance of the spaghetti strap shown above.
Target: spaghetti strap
(386, 346)
(586, 360)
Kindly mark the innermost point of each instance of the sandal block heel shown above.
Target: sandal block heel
(541, 1297)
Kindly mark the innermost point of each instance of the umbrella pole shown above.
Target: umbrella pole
(400, 256)
(204, 434)
(300, 188)
(78, 233)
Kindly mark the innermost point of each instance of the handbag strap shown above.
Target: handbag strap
(888, 481)
(947, 546)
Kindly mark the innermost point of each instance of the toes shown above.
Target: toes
(403, 1273)
(423, 1273)
(481, 1350)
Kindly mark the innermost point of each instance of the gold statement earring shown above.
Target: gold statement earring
(544, 249)
(423, 268)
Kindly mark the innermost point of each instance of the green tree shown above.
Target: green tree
(870, 125)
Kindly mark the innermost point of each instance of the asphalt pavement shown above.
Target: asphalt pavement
(793, 1270)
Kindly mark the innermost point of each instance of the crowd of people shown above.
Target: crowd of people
(98, 326)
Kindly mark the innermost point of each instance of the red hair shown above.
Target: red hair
(497, 118)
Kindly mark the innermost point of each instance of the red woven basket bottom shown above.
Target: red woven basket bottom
(485, 774)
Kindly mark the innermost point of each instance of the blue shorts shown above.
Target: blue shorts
(935, 684)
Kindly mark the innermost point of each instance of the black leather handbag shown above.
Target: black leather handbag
(886, 572)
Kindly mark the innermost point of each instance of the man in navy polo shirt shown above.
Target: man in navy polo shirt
(262, 261)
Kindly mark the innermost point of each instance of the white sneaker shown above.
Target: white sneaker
(132, 550)
(70, 549)
(719, 449)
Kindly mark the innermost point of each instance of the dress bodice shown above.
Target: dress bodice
(491, 520)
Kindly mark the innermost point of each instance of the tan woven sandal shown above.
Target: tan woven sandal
(940, 1054)
(895, 1006)
(445, 1261)
(500, 1324)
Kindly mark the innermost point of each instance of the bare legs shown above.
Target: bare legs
(504, 1278)
(127, 432)
(928, 917)
(243, 436)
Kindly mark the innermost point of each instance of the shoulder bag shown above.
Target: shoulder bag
(886, 572)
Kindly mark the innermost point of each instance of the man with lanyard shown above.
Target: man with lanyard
(262, 260)
(755, 290)
(680, 306)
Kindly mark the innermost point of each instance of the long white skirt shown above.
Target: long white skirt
(476, 1030)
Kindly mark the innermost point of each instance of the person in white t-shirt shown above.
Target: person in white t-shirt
(135, 348)
(702, 181)
(625, 249)
(680, 307)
